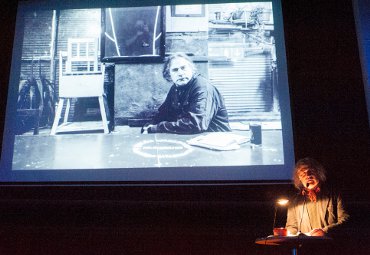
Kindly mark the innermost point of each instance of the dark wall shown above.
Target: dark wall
(329, 121)
(328, 101)
(7, 21)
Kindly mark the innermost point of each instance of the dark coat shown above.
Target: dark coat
(193, 108)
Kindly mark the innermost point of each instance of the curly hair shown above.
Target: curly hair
(308, 163)
(167, 63)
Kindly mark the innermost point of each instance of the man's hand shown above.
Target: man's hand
(317, 232)
(146, 128)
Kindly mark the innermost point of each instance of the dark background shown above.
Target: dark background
(330, 124)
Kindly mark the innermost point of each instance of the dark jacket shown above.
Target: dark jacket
(193, 108)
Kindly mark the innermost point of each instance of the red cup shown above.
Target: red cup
(280, 232)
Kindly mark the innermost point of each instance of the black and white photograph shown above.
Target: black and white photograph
(150, 88)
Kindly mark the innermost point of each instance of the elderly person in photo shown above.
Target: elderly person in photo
(192, 105)
(317, 210)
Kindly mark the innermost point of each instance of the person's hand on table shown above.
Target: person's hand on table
(147, 128)
(316, 232)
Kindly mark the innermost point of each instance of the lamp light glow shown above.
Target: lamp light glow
(282, 201)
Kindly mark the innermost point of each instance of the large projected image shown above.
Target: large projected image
(150, 93)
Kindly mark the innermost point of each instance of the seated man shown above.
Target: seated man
(193, 105)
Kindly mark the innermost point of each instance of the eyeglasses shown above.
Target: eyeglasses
(305, 172)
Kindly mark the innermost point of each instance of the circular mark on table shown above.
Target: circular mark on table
(162, 148)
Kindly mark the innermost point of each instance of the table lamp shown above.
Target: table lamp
(279, 231)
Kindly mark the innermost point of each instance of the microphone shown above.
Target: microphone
(304, 204)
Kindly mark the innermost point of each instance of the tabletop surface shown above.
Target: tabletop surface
(127, 148)
(292, 240)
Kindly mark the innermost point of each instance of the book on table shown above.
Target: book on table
(219, 141)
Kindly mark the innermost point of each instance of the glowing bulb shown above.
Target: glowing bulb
(283, 201)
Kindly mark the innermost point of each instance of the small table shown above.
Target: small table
(294, 242)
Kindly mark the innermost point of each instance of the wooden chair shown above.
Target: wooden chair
(80, 76)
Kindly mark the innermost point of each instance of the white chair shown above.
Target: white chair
(80, 76)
